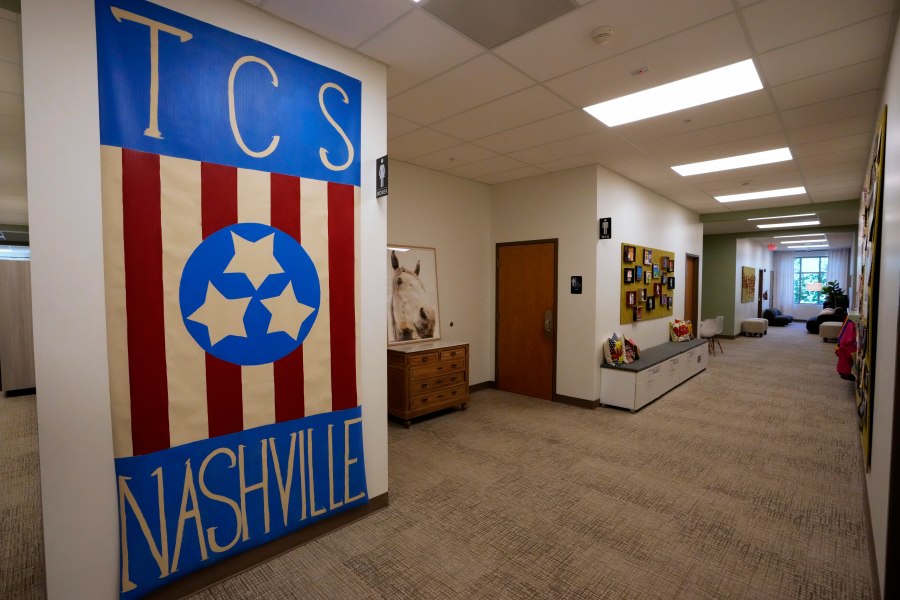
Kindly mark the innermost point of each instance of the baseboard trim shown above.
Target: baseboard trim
(484, 385)
(873, 561)
(22, 392)
(235, 565)
(579, 402)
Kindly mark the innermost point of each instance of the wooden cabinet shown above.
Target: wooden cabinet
(427, 377)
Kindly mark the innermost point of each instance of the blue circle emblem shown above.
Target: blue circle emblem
(249, 294)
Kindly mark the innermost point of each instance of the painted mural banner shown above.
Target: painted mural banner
(230, 188)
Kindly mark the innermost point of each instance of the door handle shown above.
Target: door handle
(548, 322)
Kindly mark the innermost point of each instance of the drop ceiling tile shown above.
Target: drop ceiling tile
(598, 157)
(859, 140)
(745, 106)
(565, 44)
(472, 84)
(566, 125)
(581, 144)
(697, 50)
(12, 105)
(776, 24)
(491, 166)
(841, 82)
(708, 136)
(12, 126)
(397, 126)
(511, 175)
(849, 159)
(10, 41)
(13, 209)
(347, 23)
(842, 48)
(722, 150)
(832, 174)
(832, 110)
(418, 47)
(506, 113)
(419, 143)
(833, 129)
(456, 156)
(10, 78)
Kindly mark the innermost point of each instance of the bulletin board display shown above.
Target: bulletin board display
(648, 283)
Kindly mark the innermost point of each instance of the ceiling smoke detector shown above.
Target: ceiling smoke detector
(602, 35)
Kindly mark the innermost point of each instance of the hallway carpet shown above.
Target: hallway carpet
(743, 483)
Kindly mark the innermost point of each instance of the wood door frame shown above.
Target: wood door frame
(759, 299)
(555, 242)
(695, 317)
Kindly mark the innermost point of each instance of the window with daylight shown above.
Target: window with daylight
(809, 276)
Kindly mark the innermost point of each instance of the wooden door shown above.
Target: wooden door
(526, 318)
(691, 290)
(759, 294)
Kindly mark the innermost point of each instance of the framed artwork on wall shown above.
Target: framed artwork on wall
(638, 313)
(648, 256)
(664, 279)
(748, 284)
(657, 289)
(412, 295)
(630, 298)
(655, 271)
(647, 277)
(639, 272)
(628, 254)
(670, 283)
(651, 303)
(643, 294)
(628, 275)
(665, 263)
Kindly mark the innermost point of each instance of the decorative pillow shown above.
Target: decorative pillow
(614, 350)
(632, 352)
(680, 331)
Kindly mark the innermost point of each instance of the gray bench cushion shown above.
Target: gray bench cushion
(657, 354)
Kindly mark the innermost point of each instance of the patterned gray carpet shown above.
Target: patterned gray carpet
(21, 533)
(742, 483)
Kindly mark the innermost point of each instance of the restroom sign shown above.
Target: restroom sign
(381, 177)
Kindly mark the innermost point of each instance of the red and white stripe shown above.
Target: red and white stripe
(165, 390)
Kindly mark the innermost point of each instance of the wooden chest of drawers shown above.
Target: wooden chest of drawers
(424, 378)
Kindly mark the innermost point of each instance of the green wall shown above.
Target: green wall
(717, 293)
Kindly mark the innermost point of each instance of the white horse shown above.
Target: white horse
(412, 314)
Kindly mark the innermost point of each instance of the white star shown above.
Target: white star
(222, 316)
(287, 313)
(255, 259)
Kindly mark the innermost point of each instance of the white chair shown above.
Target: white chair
(710, 330)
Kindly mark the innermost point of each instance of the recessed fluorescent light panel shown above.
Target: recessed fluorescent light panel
(807, 247)
(823, 240)
(782, 217)
(718, 84)
(796, 235)
(734, 162)
(794, 191)
(794, 224)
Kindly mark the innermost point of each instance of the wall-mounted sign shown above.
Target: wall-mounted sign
(381, 177)
(605, 228)
(576, 284)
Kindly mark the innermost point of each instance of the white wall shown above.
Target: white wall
(884, 403)
(61, 108)
(567, 206)
(452, 215)
(562, 206)
(750, 254)
(639, 217)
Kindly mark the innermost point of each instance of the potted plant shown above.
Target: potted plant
(833, 294)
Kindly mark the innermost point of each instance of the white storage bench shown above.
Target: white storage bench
(658, 370)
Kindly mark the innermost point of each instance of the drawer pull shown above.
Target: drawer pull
(453, 393)
(453, 366)
(424, 386)
(453, 354)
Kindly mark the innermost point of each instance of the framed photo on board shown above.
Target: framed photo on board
(628, 275)
(628, 254)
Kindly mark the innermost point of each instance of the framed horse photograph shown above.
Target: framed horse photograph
(412, 289)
